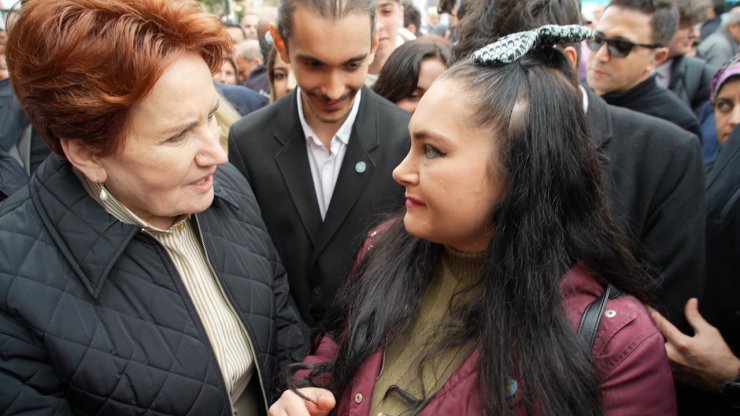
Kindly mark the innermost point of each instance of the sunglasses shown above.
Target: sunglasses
(617, 48)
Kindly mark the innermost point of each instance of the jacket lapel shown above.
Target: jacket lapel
(358, 168)
(292, 161)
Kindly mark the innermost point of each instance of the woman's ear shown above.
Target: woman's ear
(84, 159)
(571, 54)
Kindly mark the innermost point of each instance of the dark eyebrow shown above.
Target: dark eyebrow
(357, 58)
(614, 38)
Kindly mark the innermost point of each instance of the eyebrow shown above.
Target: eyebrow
(190, 124)
(426, 135)
(357, 58)
(615, 37)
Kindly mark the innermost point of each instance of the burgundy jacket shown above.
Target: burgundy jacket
(629, 355)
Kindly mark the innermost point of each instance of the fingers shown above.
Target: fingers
(307, 401)
(694, 316)
(669, 331)
(322, 402)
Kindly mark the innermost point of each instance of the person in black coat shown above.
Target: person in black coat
(136, 275)
(632, 41)
(320, 158)
(708, 361)
(12, 175)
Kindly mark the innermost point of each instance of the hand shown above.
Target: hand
(704, 360)
(319, 403)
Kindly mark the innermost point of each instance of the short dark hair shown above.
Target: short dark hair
(411, 16)
(236, 26)
(691, 11)
(664, 15)
(718, 6)
(400, 74)
(335, 10)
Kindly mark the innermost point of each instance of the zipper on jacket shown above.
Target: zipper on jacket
(382, 364)
(243, 326)
(199, 320)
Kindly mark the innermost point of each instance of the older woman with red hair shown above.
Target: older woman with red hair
(136, 275)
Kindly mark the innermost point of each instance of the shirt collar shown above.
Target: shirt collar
(345, 130)
(121, 212)
(585, 98)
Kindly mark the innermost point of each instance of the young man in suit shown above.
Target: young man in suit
(320, 159)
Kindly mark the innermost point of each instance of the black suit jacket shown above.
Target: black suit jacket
(655, 185)
(269, 148)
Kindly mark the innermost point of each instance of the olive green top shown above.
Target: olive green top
(403, 357)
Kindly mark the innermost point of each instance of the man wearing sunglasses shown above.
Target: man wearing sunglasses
(631, 42)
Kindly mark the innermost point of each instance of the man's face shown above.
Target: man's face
(611, 74)
(249, 24)
(236, 35)
(683, 40)
(390, 18)
(330, 60)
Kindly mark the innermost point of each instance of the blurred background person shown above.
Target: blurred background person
(719, 116)
(688, 77)
(389, 19)
(722, 45)
(249, 23)
(227, 74)
(137, 275)
(714, 19)
(250, 65)
(412, 19)
(226, 115)
(410, 71)
(236, 33)
(282, 80)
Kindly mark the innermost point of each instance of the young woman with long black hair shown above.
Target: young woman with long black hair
(470, 303)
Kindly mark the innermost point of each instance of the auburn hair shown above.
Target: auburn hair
(79, 67)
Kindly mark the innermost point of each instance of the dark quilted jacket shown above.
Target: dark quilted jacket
(94, 319)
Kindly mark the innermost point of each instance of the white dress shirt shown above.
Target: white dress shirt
(325, 163)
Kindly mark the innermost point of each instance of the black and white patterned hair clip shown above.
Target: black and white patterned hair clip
(512, 47)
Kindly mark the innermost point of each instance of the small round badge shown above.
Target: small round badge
(360, 167)
(511, 387)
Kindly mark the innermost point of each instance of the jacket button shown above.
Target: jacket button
(358, 398)
(611, 313)
(373, 233)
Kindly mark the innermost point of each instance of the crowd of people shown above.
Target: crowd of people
(358, 207)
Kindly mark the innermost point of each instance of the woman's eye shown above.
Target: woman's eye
(431, 152)
(178, 138)
(724, 106)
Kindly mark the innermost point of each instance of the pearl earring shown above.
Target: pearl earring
(103, 193)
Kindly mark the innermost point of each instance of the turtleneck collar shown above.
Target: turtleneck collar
(632, 94)
(463, 265)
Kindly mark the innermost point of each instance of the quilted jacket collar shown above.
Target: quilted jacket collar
(90, 239)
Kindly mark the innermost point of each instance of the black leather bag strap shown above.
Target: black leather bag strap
(592, 316)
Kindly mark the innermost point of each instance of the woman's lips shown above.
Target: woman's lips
(412, 202)
(204, 184)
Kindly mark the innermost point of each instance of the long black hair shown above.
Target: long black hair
(400, 74)
(552, 215)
